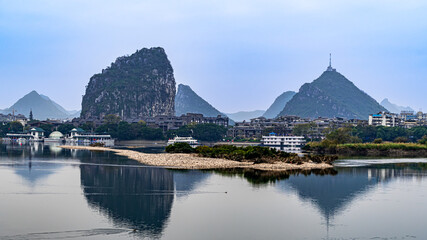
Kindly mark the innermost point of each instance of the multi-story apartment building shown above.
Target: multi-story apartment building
(383, 119)
(406, 119)
(291, 144)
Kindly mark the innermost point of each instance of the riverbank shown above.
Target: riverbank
(371, 149)
(192, 161)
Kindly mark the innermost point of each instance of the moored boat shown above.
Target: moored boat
(190, 140)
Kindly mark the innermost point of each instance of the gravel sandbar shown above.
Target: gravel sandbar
(192, 161)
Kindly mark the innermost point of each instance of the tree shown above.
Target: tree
(65, 128)
(341, 136)
(48, 128)
(31, 115)
(303, 129)
(401, 140)
(148, 133)
(184, 131)
(87, 126)
(111, 119)
(124, 131)
(15, 126)
(423, 140)
(209, 132)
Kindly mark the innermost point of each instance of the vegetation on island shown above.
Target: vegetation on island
(255, 154)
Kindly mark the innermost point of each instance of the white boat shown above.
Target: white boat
(190, 140)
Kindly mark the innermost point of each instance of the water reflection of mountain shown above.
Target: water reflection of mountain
(187, 180)
(29, 161)
(134, 197)
(262, 177)
(332, 194)
(138, 198)
(30, 150)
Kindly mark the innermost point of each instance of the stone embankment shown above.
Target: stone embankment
(192, 161)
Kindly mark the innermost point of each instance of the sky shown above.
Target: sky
(238, 55)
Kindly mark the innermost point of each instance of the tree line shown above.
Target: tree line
(129, 131)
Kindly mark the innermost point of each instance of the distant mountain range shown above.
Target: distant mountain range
(245, 115)
(279, 104)
(113, 91)
(42, 107)
(394, 108)
(331, 95)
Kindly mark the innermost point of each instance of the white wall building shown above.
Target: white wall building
(291, 144)
(383, 119)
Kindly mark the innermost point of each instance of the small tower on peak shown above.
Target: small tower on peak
(330, 68)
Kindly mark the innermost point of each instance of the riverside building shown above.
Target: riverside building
(290, 144)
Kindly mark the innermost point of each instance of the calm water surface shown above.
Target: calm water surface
(51, 193)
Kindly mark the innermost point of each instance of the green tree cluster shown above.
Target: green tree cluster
(11, 127)
(389, 134)
(204, 132)
(129, 131)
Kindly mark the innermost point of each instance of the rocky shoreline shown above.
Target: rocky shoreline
(192, 161)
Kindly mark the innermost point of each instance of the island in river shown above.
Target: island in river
(192, 161)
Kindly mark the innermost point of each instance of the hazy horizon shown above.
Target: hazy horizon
(237, 55)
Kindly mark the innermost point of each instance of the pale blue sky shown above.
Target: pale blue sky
(238, 55)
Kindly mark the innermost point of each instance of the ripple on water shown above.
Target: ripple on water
(70, 234)
(368, 162)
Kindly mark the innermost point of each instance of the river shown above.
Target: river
(51, 193)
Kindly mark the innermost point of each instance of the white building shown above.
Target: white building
(79, 136)
(35, 134)
(383, 119)
(55, 137)
(291, 144)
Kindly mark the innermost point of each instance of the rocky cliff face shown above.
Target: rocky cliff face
(331, 95)
(133, 87)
